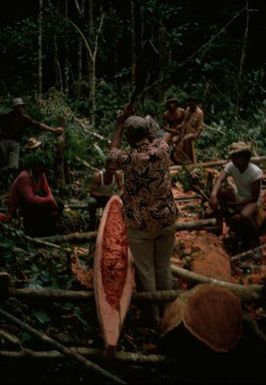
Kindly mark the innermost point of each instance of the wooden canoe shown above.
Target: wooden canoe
(113, 273)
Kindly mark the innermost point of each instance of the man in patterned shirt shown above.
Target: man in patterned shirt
(149, 206)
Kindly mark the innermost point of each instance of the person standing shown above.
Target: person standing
(148, 205)
(173, 117)
(192, 125)
(12, 128)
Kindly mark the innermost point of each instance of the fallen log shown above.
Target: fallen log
(91, 235)
(84, 206)
(213, 163)
(71, 237)
(246, 293)
(86, 296)
(247, 253)
(41, 242)
(88, 352)
(61, 348)
(84, 163)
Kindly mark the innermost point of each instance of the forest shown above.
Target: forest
(85, 59)
(76, 64)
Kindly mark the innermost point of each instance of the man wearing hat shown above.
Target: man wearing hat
(12, 128)
(240, 206)
(173, 117)
(148, 205)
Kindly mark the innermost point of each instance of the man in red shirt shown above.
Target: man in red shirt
(32, 198)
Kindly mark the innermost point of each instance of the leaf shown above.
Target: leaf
(41, 316)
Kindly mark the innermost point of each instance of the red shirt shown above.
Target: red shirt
(25, 190)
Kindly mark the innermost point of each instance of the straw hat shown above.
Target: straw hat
(171, 100)
(32, 143)
(238, 147)
(18, 102)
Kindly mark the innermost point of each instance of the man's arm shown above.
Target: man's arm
(42, 126)
(216, 188)
(96, 181)
(116, 140)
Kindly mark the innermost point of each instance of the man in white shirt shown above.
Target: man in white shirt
(242, 203)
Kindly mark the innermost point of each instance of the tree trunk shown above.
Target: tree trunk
(133, 42)
(242, 59)
(40, 48)
(66, 69)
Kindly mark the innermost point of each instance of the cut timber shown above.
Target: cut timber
(60, 295)
(88, 352)
(212, 314)
(91, 235)
(246, 293)
(113, 273)
(213, 163)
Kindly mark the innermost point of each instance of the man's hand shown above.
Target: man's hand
(59, 130)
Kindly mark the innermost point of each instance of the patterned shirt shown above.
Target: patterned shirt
(148, 200)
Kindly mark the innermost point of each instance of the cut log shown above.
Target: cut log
(211, 313)
(113, 273)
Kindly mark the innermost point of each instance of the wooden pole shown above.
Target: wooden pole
(50, 294)
(88, 352)
(91, 235)
(251, 292)
(213, 163)
(61, 348)
(247, 253)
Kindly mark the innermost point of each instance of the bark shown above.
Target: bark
(248, 293)
(61, 348)
(88, 352)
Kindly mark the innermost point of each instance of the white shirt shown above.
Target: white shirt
(245, 179)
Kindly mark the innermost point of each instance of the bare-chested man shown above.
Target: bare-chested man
(173, 117)
(192, 125)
